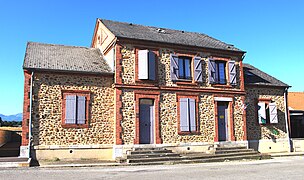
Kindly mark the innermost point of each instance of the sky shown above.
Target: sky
(270, 31)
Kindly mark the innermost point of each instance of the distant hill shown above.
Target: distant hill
(15, 117)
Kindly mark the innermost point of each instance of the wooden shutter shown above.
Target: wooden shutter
(143, 64)
(232, 72)
(81, 109)
(70, 109)
(198, 70)
(191, 108)
(261, 113)
(211, 71)
(273, 113)
(174, 67)
(184, 118)
(152, 63)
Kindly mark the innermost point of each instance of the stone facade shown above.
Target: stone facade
(168, 116)
(47, 110)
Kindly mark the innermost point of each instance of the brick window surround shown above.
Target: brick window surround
(230, 122)
(154, 95)
(84, 93)
(191, 96)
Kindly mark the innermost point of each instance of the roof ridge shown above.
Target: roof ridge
(63, 45)
(169, 29)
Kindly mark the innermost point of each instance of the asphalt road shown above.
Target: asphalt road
(278, 168)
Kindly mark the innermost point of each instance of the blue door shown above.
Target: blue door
(222, 110)
(146, 121)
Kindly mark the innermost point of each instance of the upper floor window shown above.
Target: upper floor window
(146, 65)
(217, 72)
(184, 68)
(220, 72)
(180, 68)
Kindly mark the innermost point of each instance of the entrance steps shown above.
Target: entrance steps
(154, 156)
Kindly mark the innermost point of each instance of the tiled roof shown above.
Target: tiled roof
(254, 76)
(296, 100)
(164, 35)
(52, 57)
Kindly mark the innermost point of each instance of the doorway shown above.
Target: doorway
(222, 116)
(146, 121)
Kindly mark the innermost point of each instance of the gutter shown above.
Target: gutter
(286, 119)
(30, 117)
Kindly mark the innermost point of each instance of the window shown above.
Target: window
(220, 70)
(146, 65)
(217, 72)
(184, 67)
(180, 68)
(75, 107)
(267, 112)
(187, 115)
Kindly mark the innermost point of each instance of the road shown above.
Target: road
(278, 168)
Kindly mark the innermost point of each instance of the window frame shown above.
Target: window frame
(182, 66)
(66, 93)
(267, 101)
(146, 81)
(218, 72)
(197, 129)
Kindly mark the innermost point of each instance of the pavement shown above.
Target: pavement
(276, 168)
(20, 162)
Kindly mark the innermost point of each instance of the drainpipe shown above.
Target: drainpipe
(286, 118)
(30, 117)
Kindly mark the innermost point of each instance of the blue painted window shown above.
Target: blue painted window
(184, 67)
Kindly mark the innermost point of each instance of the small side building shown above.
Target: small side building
(266, 111)
(296, 112)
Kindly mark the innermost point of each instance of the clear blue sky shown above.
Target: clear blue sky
(271, 31)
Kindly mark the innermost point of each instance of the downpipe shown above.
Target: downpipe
(286, 118)
(30, 117)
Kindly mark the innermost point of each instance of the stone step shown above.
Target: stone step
(233, 151)
(153, 159)
(137, 156)
(211, 159)
(14, 162)
(223, 155)
(222, 148)
(143, 151)
(149, 149)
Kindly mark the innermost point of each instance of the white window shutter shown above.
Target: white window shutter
(232, 72)
(184, 116)
(212, 71)
(198, 70)
(261, 113)
(174, 67)
(192, 114)
(273, 113)
(143, 71)
(70, 109)
(81, 109)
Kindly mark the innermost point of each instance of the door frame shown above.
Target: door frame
(155, 96)
(230, 120)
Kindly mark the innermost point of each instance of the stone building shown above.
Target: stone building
(139, 86)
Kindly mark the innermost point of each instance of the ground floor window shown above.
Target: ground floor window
(267, 112)
(75, 108)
